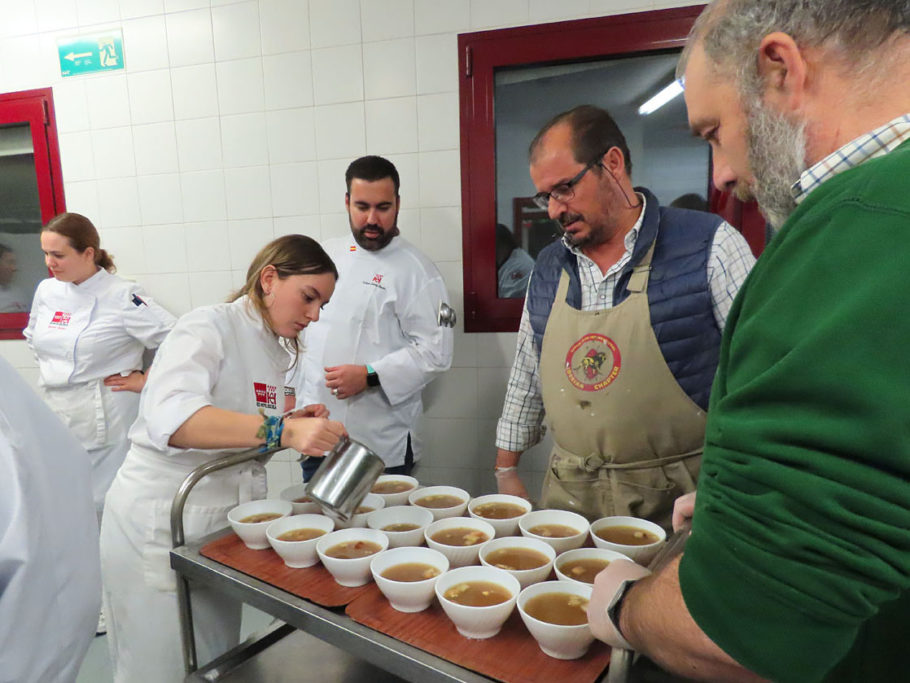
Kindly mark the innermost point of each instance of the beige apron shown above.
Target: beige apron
(627, 438)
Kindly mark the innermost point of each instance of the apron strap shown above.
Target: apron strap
(638, 281)
(563, 288)
(596, 461)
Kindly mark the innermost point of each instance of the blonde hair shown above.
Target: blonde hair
(288, 255)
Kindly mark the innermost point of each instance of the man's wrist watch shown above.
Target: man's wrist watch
(372, 377)
(615, 606)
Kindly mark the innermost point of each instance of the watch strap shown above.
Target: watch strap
(613, 613)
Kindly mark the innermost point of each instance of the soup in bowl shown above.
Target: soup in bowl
(527, 559)
(442, 501)
(407, 576)
(583, 564)
(347, 554)
(403, 524)
(478, 600)
(394, 488)
(294, 538)
(459, 538)
(250, 520)
(501, 511)
(302, 503)
(555, 614)
(638, 539)
(561, 529)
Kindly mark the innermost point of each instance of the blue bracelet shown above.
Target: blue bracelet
(273, 425)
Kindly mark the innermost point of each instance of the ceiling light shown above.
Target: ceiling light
(660, 99)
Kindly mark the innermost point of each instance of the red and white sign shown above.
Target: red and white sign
(266, 395)
(60, 319)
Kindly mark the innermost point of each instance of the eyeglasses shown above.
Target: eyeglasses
(564, 191)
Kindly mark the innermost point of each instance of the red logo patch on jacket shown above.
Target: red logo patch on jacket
(377, 278)
(60, 319)
(266, 395)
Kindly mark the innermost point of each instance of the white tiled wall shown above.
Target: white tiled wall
(233, 123)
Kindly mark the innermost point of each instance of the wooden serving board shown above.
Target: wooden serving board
(312, 583)
(512, 655)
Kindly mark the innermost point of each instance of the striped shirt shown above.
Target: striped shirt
(521, 423)
(880, 141)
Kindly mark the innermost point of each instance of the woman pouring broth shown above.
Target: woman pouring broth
(216, 387)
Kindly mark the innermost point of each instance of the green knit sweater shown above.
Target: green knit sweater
(799, 561)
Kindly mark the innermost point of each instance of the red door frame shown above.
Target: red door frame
(567, 41)
(35, 107)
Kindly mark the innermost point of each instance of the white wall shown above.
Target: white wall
(233, 123)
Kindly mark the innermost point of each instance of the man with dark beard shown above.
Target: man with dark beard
(378, 343)
(797, 567)
(620, 333)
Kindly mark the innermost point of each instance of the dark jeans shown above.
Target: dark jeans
(310, 465)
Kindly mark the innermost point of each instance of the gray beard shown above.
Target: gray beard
(777, 156)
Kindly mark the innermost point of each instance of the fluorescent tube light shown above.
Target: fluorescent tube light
(660, 99)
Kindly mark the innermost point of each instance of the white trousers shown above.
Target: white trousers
(140, 599)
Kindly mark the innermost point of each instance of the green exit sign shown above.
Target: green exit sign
(90, 54)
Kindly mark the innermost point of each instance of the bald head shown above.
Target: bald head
(589, 131)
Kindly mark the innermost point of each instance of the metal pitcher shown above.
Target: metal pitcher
(344, 478)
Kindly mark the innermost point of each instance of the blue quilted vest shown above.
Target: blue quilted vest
(679, 297)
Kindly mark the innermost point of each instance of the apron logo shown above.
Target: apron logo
(266, 395)
(60, 319)
(593, 362)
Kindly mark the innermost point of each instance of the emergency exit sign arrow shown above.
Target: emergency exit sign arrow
(90, 53)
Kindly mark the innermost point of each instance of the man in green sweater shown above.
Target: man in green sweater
(798, 565)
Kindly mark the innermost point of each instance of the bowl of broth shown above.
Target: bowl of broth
(500, 510)
(347, 554)
(478, 600)
(442, 501)
(302, 503)
(459, 538)
(583, 564)
(555, 614)
(407, 576)
(403, 524)
(250, 520)
(561, 529)
(294, 538)
(394, 488)
(370, 503)
(638, 539)
(527, 559)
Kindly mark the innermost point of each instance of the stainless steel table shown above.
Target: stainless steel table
(332, 626)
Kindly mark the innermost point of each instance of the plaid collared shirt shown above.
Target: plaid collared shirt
(521, 423)
(880, 141)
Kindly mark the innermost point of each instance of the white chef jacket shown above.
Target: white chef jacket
(223, 356)
(81, 334)
(50, 578)
(383, 313)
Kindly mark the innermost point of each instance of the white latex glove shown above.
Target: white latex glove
(683, 507)
(608, 585)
